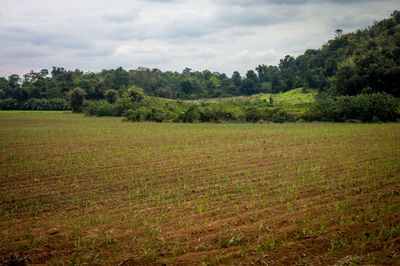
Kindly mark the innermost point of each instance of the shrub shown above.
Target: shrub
(55, 104)
(363, 107)
(58, 104)
(76, 98)
(254, 113)
(100, 108)
(35, 104)
(137, 115)
(111, 95)
(9, 104)
(191, 115)
(134, 94)
(280, 117)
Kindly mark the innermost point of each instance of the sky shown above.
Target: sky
(218, 35)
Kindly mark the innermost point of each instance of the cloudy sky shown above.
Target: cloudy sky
(219, 35)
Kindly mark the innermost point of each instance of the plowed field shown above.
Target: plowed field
(84, 190)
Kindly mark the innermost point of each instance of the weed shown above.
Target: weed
(235, 241)
(339, 243)
(268, 244)
(389, 231)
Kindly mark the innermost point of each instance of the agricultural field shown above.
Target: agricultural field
(89, 190)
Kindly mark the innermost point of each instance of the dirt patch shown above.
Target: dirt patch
(101, 192)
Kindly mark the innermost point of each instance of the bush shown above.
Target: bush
(191, 115)
(9, 104)
(135, 94)
(363, 107)
(56, 104)
(35, 104)
(100, 108)
(280, 116)
(255, 113)
(76, 98)
(153, 109)
(111, 96)
(136, 115)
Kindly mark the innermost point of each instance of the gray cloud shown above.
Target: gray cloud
(161, 1)
(218, 35)
(120, 17)
(229, 16)
(284, 2)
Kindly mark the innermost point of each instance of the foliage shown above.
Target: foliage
(162, 110)
(289, 107)
(76, 98)
(364, 107)
(55, 104)
(100, 108)
(111, 95)
(292, 97)
(135, 94)
(155, 109)
(9, 104)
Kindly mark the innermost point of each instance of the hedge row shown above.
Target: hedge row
(363, 108)
(56, 104)
(159, 110)
(378, 107)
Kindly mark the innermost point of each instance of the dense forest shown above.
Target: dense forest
(363, 62)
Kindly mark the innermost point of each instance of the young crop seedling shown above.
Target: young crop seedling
(104, 192)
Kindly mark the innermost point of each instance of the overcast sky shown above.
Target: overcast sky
(218, 35)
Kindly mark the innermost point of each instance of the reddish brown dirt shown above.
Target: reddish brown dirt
(82, 190)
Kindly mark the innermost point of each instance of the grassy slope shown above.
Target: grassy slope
(98, 191)
(290, 98)
(294, 101)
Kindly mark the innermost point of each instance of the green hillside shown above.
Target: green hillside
(295, 101)
(297, 96)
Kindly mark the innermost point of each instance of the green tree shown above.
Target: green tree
(250, 84)
(76, 98)
(338, 33)
(262, 72)
(164, 92)
(5, 89)
(348, 82)
(187, 86)
(14, 81)
(236, 79)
